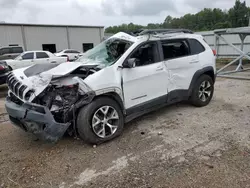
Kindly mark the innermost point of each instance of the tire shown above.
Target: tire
(199, 91)
(85, 121)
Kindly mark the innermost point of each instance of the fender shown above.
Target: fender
(114, 93)
(206, 70)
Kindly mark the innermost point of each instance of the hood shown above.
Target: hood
(39, 76)
(58, 70)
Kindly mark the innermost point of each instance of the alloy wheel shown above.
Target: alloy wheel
(105, 121)
(205, 91)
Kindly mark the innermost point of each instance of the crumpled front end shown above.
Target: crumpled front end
(44, 106)
(35, 119)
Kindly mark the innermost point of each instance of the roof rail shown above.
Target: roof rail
(163, 31)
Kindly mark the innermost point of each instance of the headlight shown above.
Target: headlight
(82, 86)
(28, 94)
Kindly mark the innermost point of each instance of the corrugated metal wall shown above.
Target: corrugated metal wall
(224, 50)
(32, 37)
(78, 36)
(36, 36)
(11, 35)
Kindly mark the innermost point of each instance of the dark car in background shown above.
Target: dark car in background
(4, 71)
(10, 52)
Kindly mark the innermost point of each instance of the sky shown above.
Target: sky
(102, 12)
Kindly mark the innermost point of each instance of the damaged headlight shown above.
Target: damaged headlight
(28, 94)
(83, 87)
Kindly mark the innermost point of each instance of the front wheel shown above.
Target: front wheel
(203, 91)
(100, 121)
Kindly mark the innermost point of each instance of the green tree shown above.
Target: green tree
(239, 14)
(206, 19)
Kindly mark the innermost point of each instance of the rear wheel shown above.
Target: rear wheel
(100, 121)
(203, 91)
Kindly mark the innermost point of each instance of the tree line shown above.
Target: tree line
(207, 19)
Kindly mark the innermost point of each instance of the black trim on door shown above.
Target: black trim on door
(155, 104)
(170, 98)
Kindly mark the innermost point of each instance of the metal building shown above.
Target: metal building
(50, 37)
(223, 49)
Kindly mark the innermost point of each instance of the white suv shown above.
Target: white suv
(120, 79)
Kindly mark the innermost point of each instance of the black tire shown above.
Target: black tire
(195, 99)
(84, 120)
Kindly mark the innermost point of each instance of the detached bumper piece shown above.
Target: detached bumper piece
(36, 119)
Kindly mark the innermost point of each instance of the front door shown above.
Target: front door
(25, 60)
(145, 85)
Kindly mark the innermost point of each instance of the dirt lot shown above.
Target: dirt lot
(178, 146)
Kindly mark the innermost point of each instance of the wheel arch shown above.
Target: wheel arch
(207, 70)
(114, 96)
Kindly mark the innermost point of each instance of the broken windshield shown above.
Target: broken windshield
(107, 52)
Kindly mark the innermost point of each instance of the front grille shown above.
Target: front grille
(15, 85)
(21, 90)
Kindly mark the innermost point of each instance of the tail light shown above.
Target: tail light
(214, 52)
(2, 67)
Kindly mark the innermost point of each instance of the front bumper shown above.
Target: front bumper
(36, 119)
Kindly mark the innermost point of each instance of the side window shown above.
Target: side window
(175, 48)
(75, 52)
(195, 47)
(17, 50)
(5, 51)
(40, 55)
(67, 51)
(146, 54)
(28, 56)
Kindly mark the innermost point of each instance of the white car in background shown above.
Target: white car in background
(33, 57)
(71, 54)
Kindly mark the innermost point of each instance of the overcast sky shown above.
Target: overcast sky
(102, 12)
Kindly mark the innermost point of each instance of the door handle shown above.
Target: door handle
(159, 68)
(194, 61)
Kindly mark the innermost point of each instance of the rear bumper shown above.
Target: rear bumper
(36, 119)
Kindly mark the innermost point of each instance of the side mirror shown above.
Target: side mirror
(130, 63)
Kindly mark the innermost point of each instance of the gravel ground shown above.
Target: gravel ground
(177, 146)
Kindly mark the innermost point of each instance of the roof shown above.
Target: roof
(151, 37)
(48, 25)
(35, 51)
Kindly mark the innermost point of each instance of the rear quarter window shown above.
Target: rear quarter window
(195, 47)
(17, 50)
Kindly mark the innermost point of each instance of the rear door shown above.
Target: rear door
(182, 63)
(41, 57)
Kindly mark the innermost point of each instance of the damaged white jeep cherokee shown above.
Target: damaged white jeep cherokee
(118, 80)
